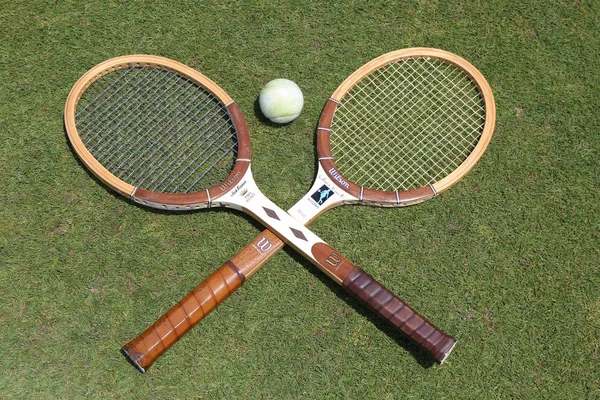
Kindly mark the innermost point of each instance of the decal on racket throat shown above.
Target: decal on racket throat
(322, 195)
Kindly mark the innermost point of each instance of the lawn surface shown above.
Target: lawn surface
(507, 261)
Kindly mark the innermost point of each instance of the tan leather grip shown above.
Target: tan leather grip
(157, 339)
(362, 286)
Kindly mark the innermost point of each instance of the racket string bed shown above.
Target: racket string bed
(105, 113)
(201, 161)
(174, 162)
(360, 162)
(168, 171)
(154, 152)
(178, 157)
(117, 105)
(409, 155)
(125, 125)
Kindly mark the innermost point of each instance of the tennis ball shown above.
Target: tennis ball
(281, 101)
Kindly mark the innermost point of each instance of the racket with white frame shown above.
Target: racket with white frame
(168, 137)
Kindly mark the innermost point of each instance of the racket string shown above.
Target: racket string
(158, 130)
(146, 132)
(119, 123)
(219, 154)
(211, 132)
(407, 125)
(211, 138)
(90, 129)
(384, 122)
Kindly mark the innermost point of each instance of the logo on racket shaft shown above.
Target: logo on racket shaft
(263, 245)
(334, 260)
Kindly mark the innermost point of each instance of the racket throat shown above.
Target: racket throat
(322, 196)
(246, 196)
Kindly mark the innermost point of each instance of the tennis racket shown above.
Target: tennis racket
(418, 118)
(168, 137)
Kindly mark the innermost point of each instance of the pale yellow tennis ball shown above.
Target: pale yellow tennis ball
(281, 101)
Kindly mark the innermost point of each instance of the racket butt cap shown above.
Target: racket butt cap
(446, 353)
(132, 359)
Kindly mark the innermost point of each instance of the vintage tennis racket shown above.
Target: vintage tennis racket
(408, 124)
(160, 132)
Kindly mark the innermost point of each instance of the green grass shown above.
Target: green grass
(507, 261)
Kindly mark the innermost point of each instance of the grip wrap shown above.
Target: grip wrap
(365, 288)
(158, 338)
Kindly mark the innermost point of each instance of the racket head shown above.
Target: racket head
(406, 126)
(157, 131)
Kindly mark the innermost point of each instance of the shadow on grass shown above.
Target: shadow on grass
(400, 338)
(423, 358)
(261, 117)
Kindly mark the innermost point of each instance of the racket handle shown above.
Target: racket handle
(158, 338)
(366, 289)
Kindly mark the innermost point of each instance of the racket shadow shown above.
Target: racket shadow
(419, 355)
(398, 337)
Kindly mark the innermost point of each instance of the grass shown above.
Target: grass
(507, 261)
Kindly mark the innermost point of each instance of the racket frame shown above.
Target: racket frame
(418, 195)
(207, 198)
(169, 201)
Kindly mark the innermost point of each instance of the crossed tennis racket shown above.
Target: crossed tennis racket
(400, 130)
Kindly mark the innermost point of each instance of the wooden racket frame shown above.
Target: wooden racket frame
(418, 195)
(193, 200)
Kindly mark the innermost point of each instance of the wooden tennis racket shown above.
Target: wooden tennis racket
(168, 137)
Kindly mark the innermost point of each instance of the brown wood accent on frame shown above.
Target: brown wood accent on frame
(414, 196)
(325, 124)
(366, 195)
(323, 131)
(171, 201)
(242, 131)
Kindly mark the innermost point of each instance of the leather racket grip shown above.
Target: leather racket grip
(362, 286)
(158, 338)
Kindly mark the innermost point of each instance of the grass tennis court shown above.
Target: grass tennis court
(507, 261)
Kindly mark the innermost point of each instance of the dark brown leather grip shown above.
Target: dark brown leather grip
(362, 286)
(157, 339)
